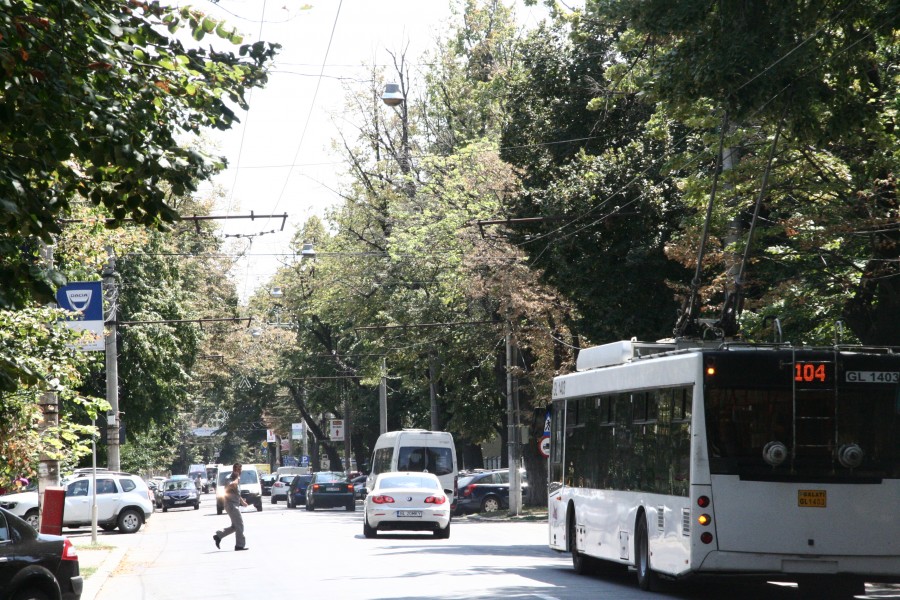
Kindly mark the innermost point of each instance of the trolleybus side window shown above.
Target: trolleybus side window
(557, 423)
(607, 447)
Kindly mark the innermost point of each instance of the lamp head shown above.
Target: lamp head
(392, 95)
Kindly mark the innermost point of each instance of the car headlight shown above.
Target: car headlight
(8, 505)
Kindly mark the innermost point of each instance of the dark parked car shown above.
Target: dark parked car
(180, 493)
(36, 565)
(297, 490)
(485, 492)
(328, 489)
(359, 487)
(267, 481)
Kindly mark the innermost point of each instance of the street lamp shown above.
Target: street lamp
(392, 95)
(307, 251)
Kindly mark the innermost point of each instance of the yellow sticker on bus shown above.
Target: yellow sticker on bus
(811, 498)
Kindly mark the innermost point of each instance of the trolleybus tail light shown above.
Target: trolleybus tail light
(706, 537)
(710, 369)
(703, 501)
(704, 519)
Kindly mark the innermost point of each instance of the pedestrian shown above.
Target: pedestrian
(233, 504)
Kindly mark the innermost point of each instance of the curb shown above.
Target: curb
(504, 517)
(94, 583)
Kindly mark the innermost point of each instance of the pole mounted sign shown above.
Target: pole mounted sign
(544, 441)
(86, 299)
(337, 430)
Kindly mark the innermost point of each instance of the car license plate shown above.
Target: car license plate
(180, 501)
(331, 489)
(811, 498)
(409, 513)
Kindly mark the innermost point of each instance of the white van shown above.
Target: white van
(415, 450)
(251, 488)
(291, 471)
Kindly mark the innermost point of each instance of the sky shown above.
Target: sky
(280, 158)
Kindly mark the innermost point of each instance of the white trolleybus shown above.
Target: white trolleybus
(772, 461)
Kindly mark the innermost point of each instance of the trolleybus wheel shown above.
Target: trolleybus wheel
(580, 562)
(646, 577)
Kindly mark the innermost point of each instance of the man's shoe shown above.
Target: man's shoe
(216, 539)
(241, 548)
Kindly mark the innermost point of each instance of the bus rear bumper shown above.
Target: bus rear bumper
(873, 568)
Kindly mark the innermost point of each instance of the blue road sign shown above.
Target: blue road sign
(85, 297)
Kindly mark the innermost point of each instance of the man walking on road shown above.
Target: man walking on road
(233, 504)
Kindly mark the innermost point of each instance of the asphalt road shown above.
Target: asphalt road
(323, 554)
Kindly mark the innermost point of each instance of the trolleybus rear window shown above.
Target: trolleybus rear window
(771, 416)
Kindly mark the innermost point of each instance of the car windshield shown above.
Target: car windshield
(330, 477)
(464, 481)
(247, 477)
(425, 458)
(182, 484)
(407, 482)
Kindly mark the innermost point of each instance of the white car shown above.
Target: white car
(280, 487)
(407, 501)
(123, 501)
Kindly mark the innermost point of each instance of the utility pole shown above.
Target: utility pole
(432, 392)
(112, 364)
(382, 399)
(48, 470)
(347, 425)
(512, 442)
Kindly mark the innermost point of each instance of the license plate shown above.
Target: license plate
(811, 498)
(873, 376)
(331, 489)
(409, 513)
(180, 501)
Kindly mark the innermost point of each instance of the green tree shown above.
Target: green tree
(596, 167)
(820, 74)
(94, 98)
(46, 363)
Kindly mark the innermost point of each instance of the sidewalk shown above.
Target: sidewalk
(96, 562)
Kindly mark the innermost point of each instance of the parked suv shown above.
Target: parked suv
(487, 491)
(36, 565)
(123, 501)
